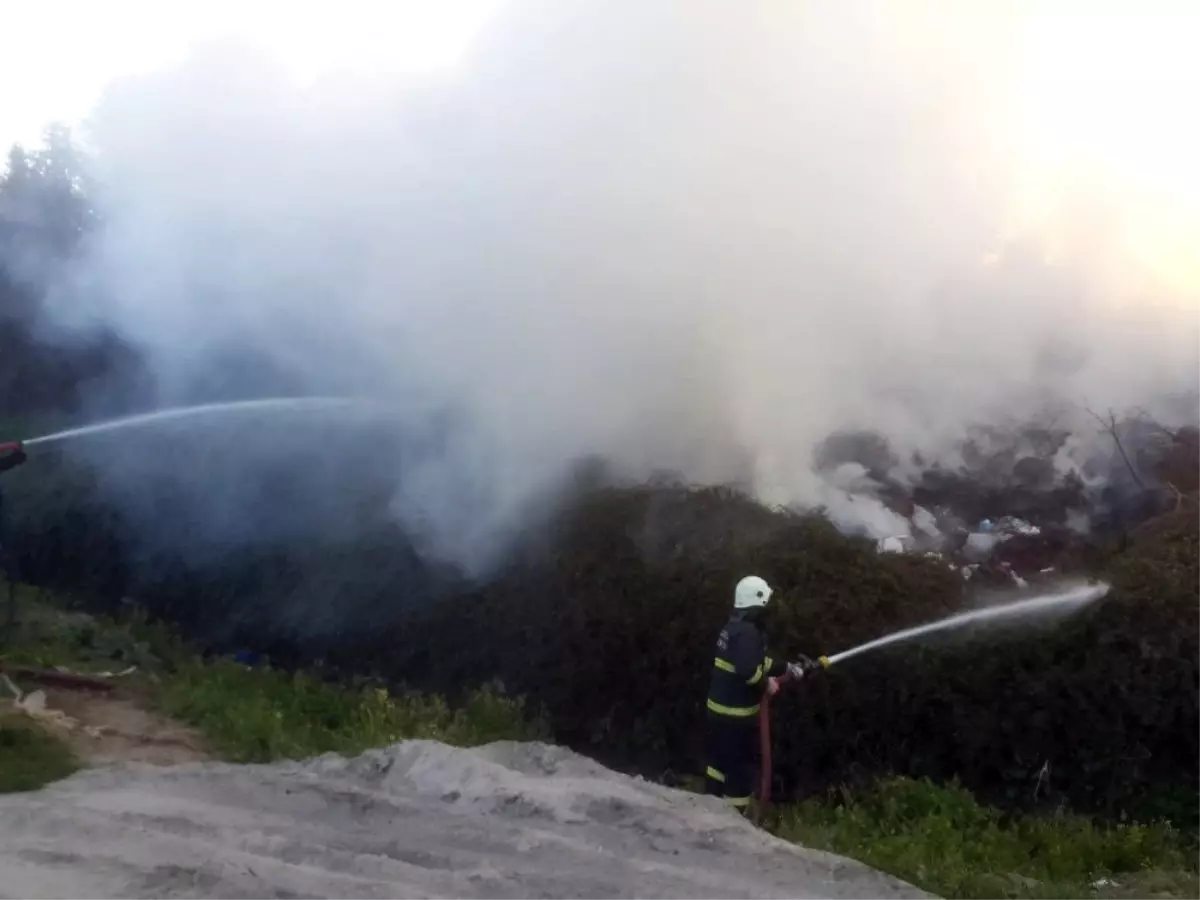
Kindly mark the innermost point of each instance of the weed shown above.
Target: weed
(941, 839)
(30, 756)
(263, 714)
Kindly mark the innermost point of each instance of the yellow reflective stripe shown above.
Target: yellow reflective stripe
(738, 801)
(767, 663)
(724, 665)
(756, 677)
(739, 711)
(715, 774)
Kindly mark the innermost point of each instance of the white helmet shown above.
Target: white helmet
(750, 592)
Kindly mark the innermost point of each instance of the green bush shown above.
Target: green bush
(611, 626)
(612, 630)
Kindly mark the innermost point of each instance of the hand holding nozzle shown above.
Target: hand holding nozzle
(804, 665)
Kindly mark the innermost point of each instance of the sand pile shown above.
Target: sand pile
(418, 819)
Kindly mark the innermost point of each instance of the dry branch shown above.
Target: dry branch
(1111, 427)
(55, 678)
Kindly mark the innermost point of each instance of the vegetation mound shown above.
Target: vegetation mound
(611, 630)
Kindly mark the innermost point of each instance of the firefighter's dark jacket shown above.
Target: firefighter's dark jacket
(740, 670)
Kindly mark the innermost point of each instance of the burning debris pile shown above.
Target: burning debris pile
(1026, 510)
(983, 550)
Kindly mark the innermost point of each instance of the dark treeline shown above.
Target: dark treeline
(606, 615)
(45, 213)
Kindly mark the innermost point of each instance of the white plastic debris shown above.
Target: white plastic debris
(121, 674)
(1016, 525)
(33, 703)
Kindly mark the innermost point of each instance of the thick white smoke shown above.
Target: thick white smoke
(689, 235)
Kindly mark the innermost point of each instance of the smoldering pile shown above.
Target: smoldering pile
(1020, 505)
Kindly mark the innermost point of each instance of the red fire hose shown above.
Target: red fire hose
(764, 740)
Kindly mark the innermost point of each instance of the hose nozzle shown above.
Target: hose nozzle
(824, 661)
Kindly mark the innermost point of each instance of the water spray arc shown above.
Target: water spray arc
(1064, 601)
(188, 412)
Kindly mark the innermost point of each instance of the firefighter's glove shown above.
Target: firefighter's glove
(802, 666)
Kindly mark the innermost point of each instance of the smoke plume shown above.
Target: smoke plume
(677, 236)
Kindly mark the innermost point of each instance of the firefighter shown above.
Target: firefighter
(12, 454)
(742, 671)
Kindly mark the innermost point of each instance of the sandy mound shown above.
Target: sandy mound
(418, 819)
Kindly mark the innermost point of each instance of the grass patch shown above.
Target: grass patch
(940, 839)
(256, 714)
(49, 633)
(30, 756)
(261, 714)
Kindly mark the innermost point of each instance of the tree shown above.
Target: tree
(46, 209)
(45, 206)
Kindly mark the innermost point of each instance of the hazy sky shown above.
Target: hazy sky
(1101, 83)
(57, 56)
